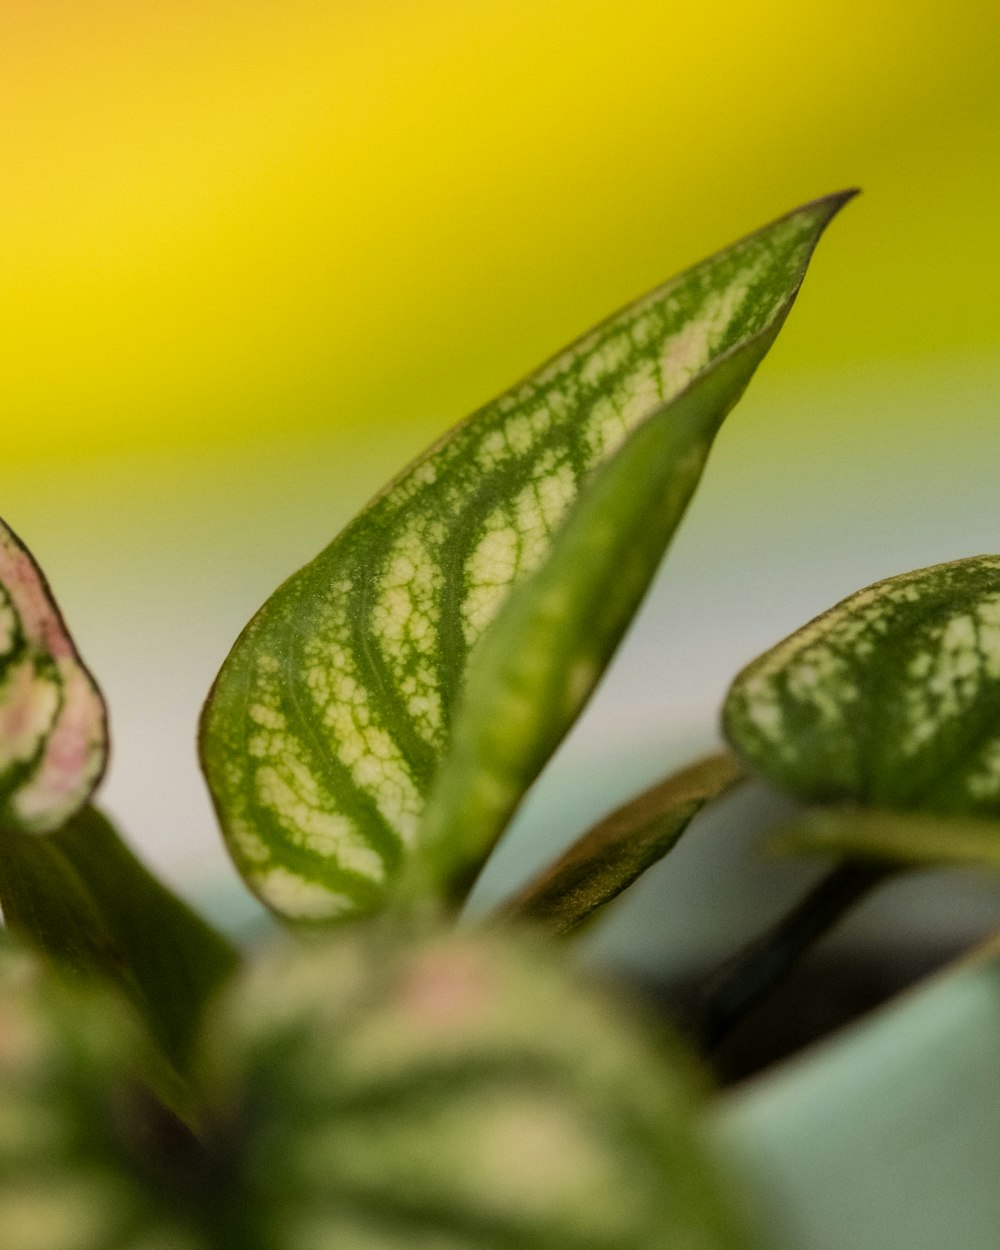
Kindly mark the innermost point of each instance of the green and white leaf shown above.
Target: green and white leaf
(889, 700)
(911, 839)
(618, 849)
(81, 898)
(541, 659)
(457, 1091)
(327, 725)
(53, 724)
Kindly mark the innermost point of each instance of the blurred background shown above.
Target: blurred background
(254, 256)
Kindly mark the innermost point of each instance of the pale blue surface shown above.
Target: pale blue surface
(885, 1138)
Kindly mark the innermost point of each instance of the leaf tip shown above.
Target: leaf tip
(836, 200)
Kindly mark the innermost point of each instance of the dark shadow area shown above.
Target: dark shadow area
(824, 992)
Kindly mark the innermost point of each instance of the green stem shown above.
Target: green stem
(743, 981)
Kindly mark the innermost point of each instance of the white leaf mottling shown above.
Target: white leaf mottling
(880, 699)
(366, 647)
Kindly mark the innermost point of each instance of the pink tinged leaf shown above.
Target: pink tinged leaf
(53, 722)
(445, 990)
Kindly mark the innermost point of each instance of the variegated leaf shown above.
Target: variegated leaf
(463, 1091)
(889, 700)
(329, 720)
(53, 725)
(73, 1124)
(540, 660)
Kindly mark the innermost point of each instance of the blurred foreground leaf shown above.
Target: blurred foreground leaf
(71, 1118)
(462, 1092)
(82, 898)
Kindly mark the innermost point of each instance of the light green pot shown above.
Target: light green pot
(885, 1137)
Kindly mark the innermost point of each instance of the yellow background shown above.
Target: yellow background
(220, 219)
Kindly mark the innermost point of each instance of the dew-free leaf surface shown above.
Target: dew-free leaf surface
(538, 663)
(71, 1121)
(618, 849)
(81, 898)
(889, 700)
(909, 839)
(53, 725)
(463, 1090)
(328, 723)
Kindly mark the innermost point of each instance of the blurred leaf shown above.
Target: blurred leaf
(53, 724)
(619, 849)
(72, 1121)
(82, 898)
(327, 724)
(461, 1091)
(909, 838)
(889, 700)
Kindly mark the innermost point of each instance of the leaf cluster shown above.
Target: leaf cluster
(390, 1077)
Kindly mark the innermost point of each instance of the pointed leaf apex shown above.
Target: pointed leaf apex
(330, 739)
